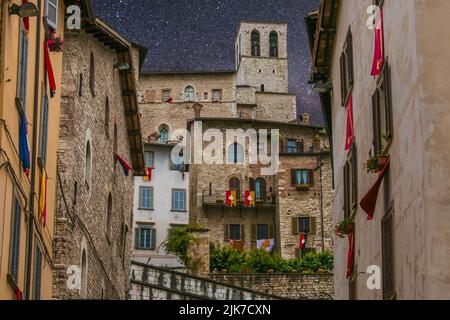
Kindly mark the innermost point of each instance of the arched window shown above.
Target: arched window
(235, 185)
(273, 40)
(109, 216)
(235, 153)
(92, 74)
(260, 189)
(255, 43)
(83, 291)
(189, 94)
(163, 135)
(107, 115)
(88, 164)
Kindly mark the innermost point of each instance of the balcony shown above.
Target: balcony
(216, 199)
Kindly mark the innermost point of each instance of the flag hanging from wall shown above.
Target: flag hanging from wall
(26, 20)
(302, 243)
(18, 294)
(249, 198)
(230, 198)
(148, 174)
(350, 132)
(43, 196)
(265, 244)
(369, 202)
(125, 166)
(24, 146)
(378, 56)
(170, 100)
(49, 69)
(350, 257)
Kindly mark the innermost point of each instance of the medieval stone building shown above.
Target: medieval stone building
(99, 120)
(295, 199)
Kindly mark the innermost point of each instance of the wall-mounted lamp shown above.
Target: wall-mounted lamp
(25, 10)
(322, 87)
(121, 66)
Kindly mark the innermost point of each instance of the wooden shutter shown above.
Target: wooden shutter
(293, 181)
(342, 72)
(388, 97)
(153, 244)
(375, 123)
(37, 274)
(14, 253)
(253, 232)
(300, 146)
(271, 231)
(295, 225)
(346, 204)
(311, 177)
(251, 183)
(242, 232)
(312, 225)
(354, 173)
(226, 232)
(136, 238)
(350, 58)
(388, 256)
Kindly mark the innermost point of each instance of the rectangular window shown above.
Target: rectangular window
(14, 253)
(350, 183)
(217, 95)
(22, 68)
(346, 68)
(235, 232)
(43, 131)
(145, 238)
(382, 112)
(146, 198)
(291, 146)
(149, 159)
(51, 10)
(167, 93)
(262, 232)
(304, 225)
(179, 200)
(37, 274)
(302, 177)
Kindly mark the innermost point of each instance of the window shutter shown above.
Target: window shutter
(281, 145)
(271, 231)
(354, 168)
(153, 244)
(15, 242)
(300, 146)
(342, 73)
(295, 225)
(388, 94)
(388, 256)
(37, 274)
(312, 225)
(136, 238)
(298, 253)
(376, 144)
(252, 184)
(350, 57)
(293, 182)
(24, 68)
(226, 232)
(346, 206)
(311, 177)
(242, 232)
(253, 232)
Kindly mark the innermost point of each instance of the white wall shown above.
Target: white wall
(163, 181)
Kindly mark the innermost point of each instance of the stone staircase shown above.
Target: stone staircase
(156, 283)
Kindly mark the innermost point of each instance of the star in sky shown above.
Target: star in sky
(193, 35)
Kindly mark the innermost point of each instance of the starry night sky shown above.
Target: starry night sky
(187, 35)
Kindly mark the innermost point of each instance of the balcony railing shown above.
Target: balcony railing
(217, 198)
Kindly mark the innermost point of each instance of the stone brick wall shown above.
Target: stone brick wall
(276, 107)
(81, 221)
(287, 285)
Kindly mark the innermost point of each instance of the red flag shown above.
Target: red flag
(49, 68)
(350, 257)
(350, 133)
(369, 202)
(125, 166)
(169, 100)
(230, 198)
(148, 176)
(302, 244)
(249, 198)
(378, 56)
(26, 20)
(18, 294)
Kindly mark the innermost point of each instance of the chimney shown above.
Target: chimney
(304, 119)
(197, 109)
(317, 143)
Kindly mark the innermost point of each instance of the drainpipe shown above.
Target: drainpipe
(29, 260)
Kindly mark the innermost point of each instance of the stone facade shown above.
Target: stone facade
(94, 208)
(287, 285)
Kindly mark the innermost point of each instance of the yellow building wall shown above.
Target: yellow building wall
(9, 146)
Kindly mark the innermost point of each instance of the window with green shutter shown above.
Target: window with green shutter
(37, 274)
(43, 130)
(145, 238)
(22, 68)
(178, 200)
(15, 241)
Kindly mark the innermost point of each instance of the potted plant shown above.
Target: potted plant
(344, 227)
(303, 187)
(376, 163)
(55, 43)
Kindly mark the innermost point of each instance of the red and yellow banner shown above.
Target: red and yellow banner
(230, 198)
(249, 198)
